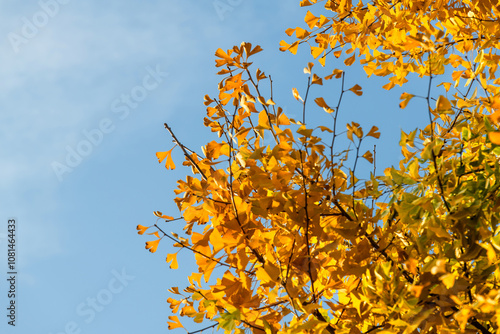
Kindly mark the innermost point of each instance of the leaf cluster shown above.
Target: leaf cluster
(289, 238)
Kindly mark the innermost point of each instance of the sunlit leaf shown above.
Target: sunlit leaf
(169, 164)
(296, 94)
(141, 229)
(406, 99)
(174, 322)
(152, 245)
(172, 259)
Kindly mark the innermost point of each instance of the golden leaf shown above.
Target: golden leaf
(316, 51)
(374, 132)
(494, 137)
(368, 156)
(336, 73)
(349, 61)
(264, 120)
(152, 245)
(310, 19)
(172, 259)
(169, 164)
(443, 105)
(296, 94)
(141, 229)
(161, 215)
(406, 98)
(174, 323)
(316, 80)
(356, 89)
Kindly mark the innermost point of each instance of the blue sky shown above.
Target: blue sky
(65, 84)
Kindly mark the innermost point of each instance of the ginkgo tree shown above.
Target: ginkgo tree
(288, 236)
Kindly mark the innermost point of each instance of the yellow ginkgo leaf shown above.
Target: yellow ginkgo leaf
(406, 99)
(169, 164)
(172, 259)
(316, 51)
(443, 105)
(152, 245)
(221, 54)
(310, 19)
(264, 120)
(174, 323)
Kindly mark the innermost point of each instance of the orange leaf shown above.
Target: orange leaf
(354, 128)
(368, 156)
(310, 19)
(495, 117)
(321, 102)
(168, 154)
(175, 324)
(141, 229)
(374, 132)
(296, 94)
(406, 99)
(221, 54)
(293, 48)
(446, 85)
(208, 100)
(356, 89)
(152, 245)
(255, 50)
(161, 215)
(316, 80)
(173, 259)
(283, 120)
(494, 137)
(336, 73)
(349, 61)
(443, 105)
(170, 163)
(316, 51)
(322, 60)
(305, 3)
(388, 86)
(264, 120)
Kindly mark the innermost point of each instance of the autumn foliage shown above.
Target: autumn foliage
(289, 238)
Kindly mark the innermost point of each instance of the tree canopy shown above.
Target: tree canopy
(289, 238)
